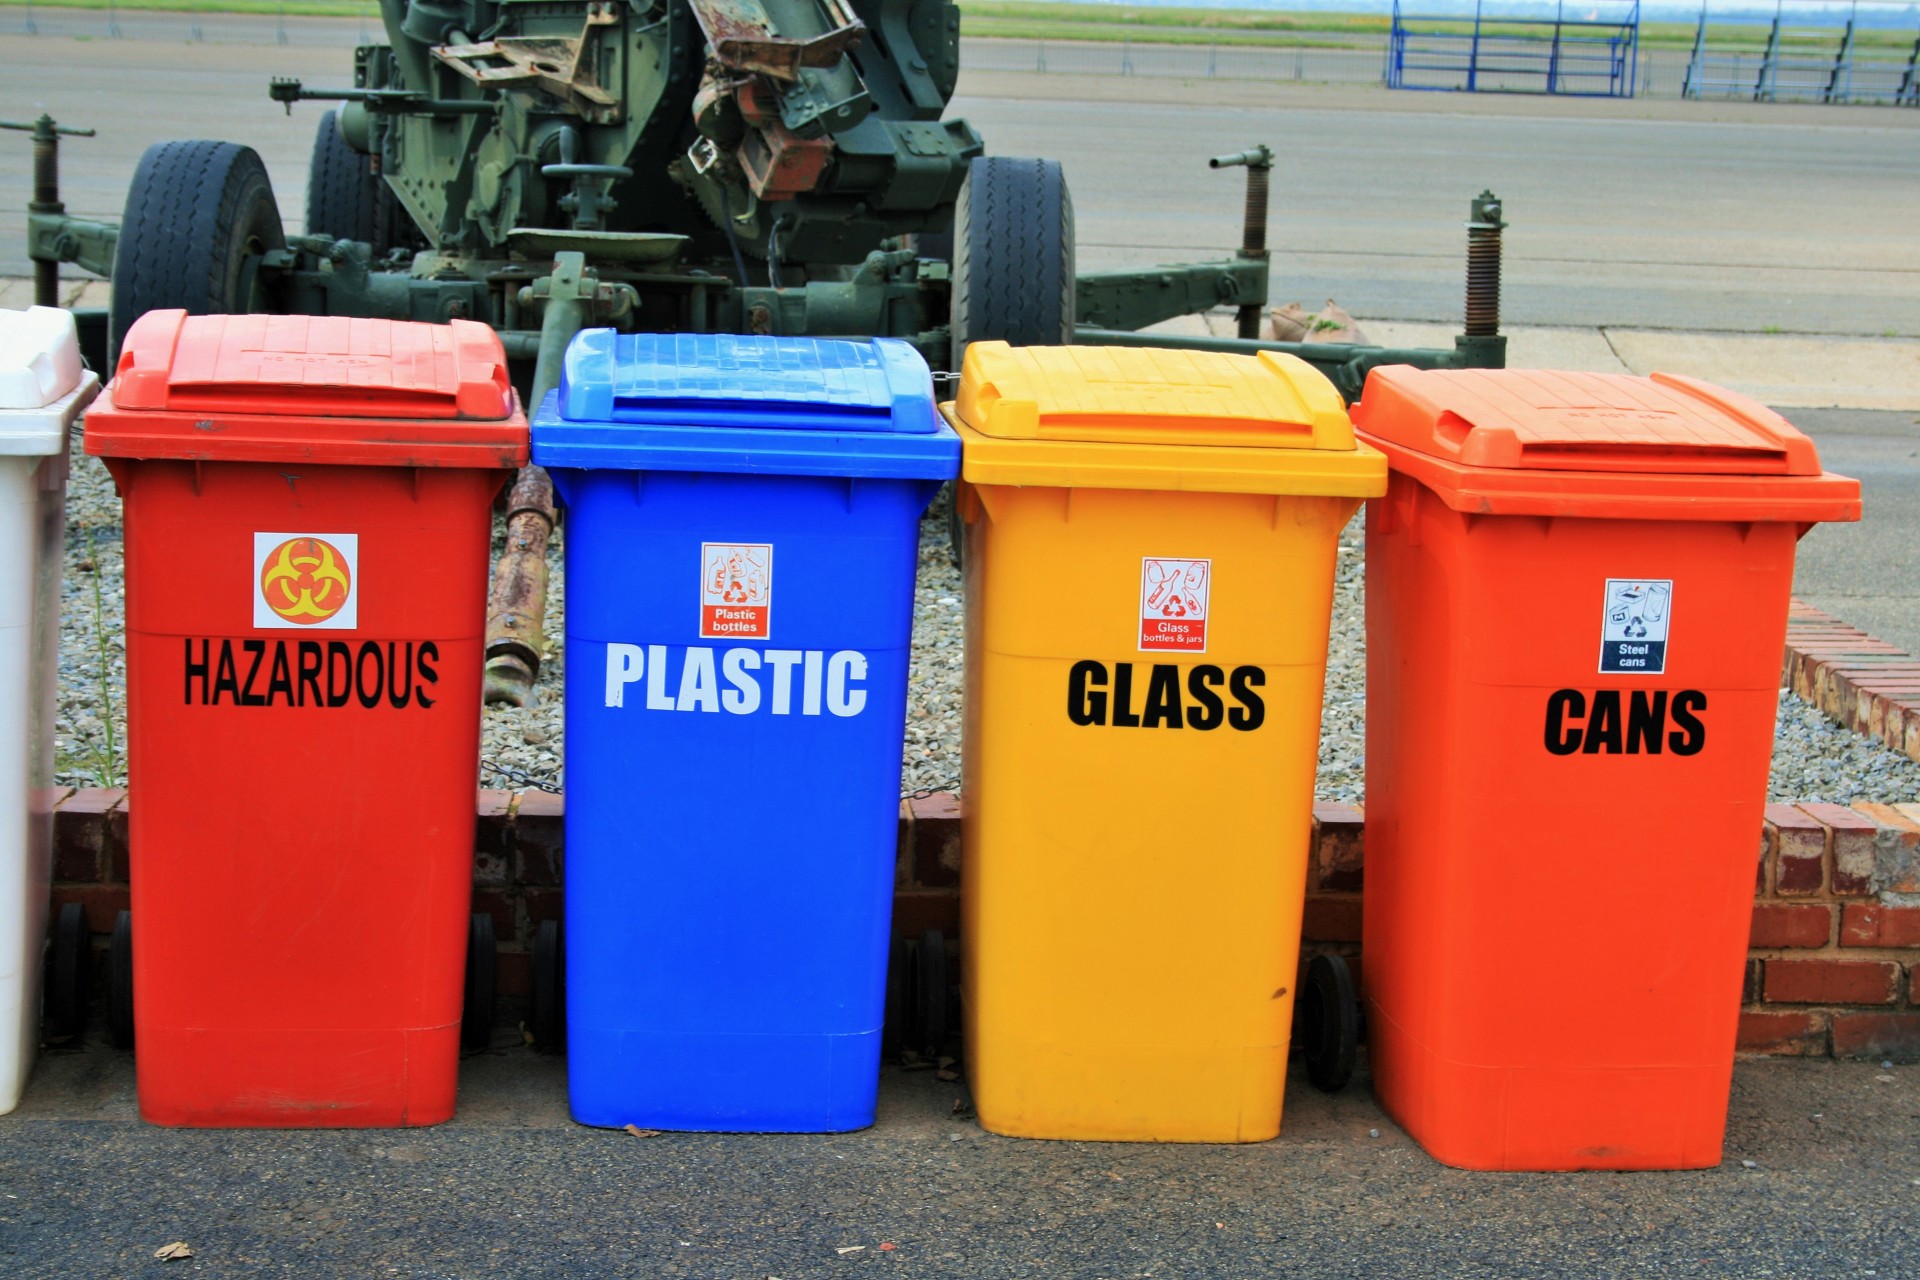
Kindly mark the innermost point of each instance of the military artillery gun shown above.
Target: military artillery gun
(749, 166)
(758, 166)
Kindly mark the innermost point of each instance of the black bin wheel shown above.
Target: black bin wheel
(120, 982)
(198, 217)
(1329, 1023)
(956, 527)
(930, 994)
(1012, 269)
(549, 989)
(347, 200)
(476, 1014)
(69, 979)
(898, 1027)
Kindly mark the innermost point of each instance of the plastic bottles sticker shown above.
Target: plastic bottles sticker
(306, 580)
(736, 591)
(1173, 605)
(1633, 628)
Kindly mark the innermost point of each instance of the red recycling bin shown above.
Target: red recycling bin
(307, 507)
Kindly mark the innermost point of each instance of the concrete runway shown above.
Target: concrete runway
(1657, 215)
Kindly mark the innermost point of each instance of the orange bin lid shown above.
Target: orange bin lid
(1547, 442)
(327, 389)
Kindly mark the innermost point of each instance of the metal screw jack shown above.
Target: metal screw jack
(1483, 266)
(1253, 234)
(46, 195)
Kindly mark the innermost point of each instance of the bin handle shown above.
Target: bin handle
(1394, 508)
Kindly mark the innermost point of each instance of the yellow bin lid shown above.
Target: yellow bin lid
(1149, 418)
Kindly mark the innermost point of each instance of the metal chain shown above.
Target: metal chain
(950, 784)
(519, 777)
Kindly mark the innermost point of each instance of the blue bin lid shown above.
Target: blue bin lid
(738, 403)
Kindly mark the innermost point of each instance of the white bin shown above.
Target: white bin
(43, 388)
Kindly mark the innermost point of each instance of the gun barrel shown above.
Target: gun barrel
(1253, 158)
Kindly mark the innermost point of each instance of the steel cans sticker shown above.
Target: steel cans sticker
(306, 580)
(736, 591)
(1173, 605)
(1633, 626)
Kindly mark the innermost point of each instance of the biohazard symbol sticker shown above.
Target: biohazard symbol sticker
(736, 591)
(306, 580)
(1173, 605)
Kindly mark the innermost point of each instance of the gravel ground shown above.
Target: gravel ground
(90, 746)
(1814, 758)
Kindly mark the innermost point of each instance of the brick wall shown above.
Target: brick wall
(1834, 966)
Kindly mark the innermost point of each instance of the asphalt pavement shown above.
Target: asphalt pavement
(1821, 1179)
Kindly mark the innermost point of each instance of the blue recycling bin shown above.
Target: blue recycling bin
(742, 530)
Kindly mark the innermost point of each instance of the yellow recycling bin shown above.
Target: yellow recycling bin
(1150, 540)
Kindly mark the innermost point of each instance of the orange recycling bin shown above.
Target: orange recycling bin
(1577, 592)
(307, 512)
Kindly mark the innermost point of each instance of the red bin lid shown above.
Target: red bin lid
(339, 389)
(1548, 442)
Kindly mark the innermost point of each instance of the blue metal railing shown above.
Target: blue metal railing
(1584, 57)
(1804, 63)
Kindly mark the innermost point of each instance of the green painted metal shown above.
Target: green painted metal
(1136, 299)
(56, 237)
(632, 106)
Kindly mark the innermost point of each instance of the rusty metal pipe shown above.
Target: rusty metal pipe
(1253, 231)
(1254, 241)
(517, 603)
(46, 199)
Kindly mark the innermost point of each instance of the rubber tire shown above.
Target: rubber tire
(348, 201)
(196, 212)
(476, 1012)
(930, 993)
(1012, 256)
(548, 1016)
(69, 979)
(120, 982)
(1012, 273)
(1329, 1023)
